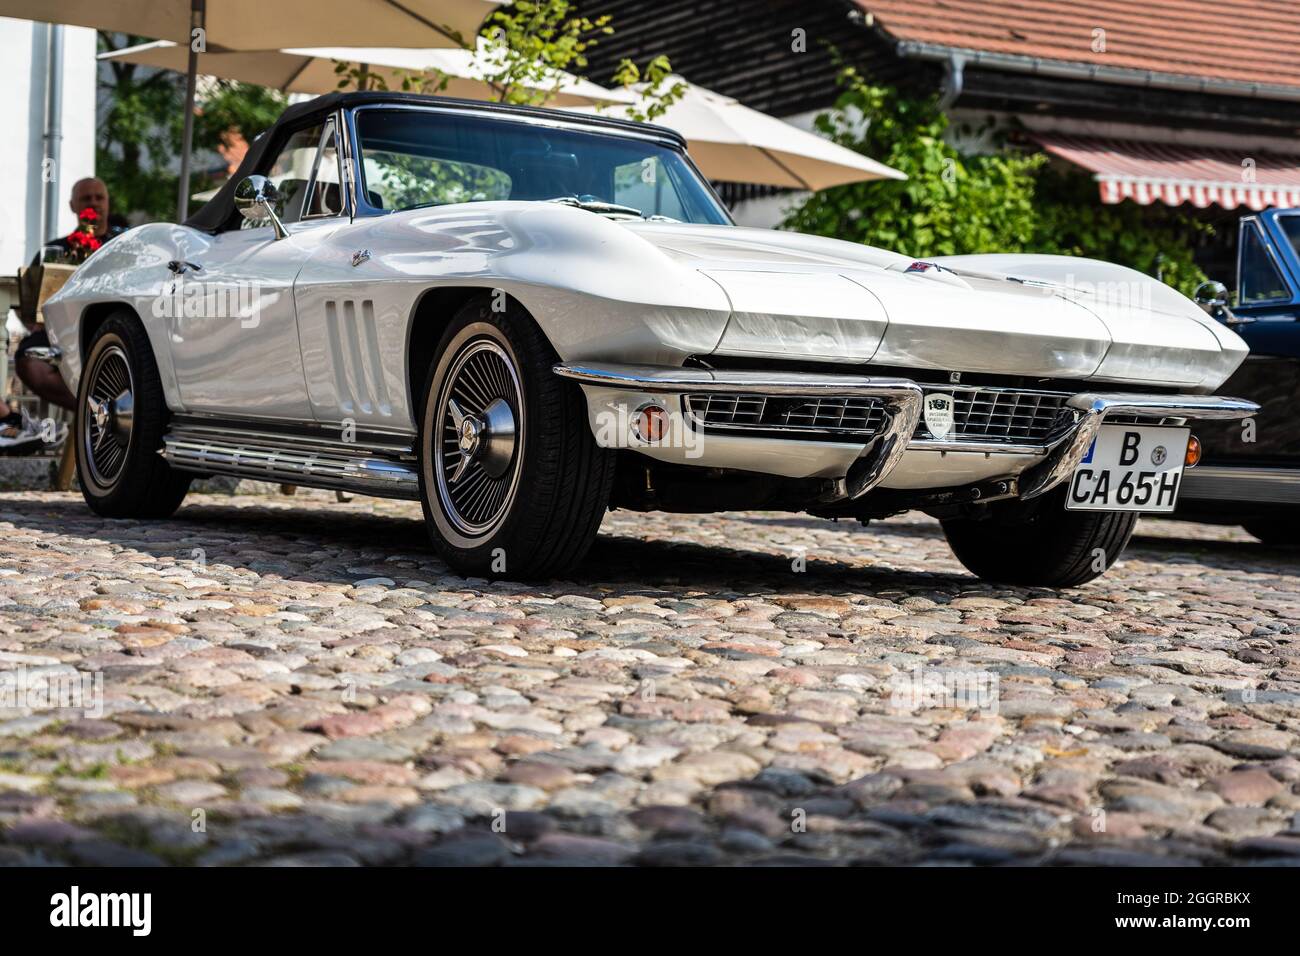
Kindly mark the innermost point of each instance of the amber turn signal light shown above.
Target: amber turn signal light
(1193, 451)
(651, 423)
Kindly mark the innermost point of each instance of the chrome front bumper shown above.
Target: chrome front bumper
(902, 401)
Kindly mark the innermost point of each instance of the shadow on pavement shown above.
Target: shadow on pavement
(1224, 555)
(353, 545)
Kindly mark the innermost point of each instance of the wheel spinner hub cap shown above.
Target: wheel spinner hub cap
(470, 429)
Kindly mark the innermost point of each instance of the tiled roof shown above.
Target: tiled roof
(1251, 41)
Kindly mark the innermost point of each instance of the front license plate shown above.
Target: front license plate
(1130, 468)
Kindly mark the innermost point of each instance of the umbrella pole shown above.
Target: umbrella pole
(197, 18)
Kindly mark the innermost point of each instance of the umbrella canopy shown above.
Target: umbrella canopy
(258, 25)
(732, 143)
(312, 70)
(261, 25)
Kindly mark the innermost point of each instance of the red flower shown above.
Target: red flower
(83, 241)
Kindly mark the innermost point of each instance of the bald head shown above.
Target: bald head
(91, 192)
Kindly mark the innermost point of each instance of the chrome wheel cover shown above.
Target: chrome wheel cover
(108, 419)
(478, 437)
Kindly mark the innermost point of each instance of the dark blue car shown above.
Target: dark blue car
(1250, 472)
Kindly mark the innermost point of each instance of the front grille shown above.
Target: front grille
(809, 415)
(980, 414)
(1001, 415)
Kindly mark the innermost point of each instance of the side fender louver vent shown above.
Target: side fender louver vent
(354, 355)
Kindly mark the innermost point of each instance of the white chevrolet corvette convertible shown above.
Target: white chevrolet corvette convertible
(523, 317)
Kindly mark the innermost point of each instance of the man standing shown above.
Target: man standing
(19, 433)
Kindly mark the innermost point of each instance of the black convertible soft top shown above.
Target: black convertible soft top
(217, 211)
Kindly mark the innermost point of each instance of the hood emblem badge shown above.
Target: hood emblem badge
(360, 256)
(938, 411)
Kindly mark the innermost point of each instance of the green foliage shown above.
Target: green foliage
(139, 134)
(531, 39)
(406, 181)
(1158, 240)
(527, 46)
(360, 76)
(1003, 201)
(241, 107)
(141, 125)
(656, 87)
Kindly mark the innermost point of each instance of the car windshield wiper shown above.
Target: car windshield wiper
(590, 205)
(597, 206)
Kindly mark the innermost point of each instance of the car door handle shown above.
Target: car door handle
(180, 266)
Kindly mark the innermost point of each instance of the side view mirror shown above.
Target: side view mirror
(256, 198)
(1211, 296)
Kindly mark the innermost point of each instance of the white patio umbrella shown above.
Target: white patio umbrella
(311, 70)
(732, 143)
(263, 24)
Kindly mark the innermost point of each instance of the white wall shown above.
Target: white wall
(23, 52)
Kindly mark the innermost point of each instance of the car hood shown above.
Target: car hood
(810, 297)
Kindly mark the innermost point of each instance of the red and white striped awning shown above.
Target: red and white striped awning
(1151, 172)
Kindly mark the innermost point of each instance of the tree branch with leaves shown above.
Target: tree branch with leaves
(523, 55)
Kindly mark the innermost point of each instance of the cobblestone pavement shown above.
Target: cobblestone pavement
(297, 681)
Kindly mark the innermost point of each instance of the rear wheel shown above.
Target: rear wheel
(512, 480)
(1039, 543)
(121, 417)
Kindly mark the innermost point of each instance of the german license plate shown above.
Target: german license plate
(1130, 468)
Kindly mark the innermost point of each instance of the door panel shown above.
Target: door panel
(1269, 309)
(234, 343)
(1274, 383)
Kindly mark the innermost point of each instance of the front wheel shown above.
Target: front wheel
(511, 478)
(1039, 543)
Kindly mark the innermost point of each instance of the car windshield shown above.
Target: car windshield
(413, 158)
